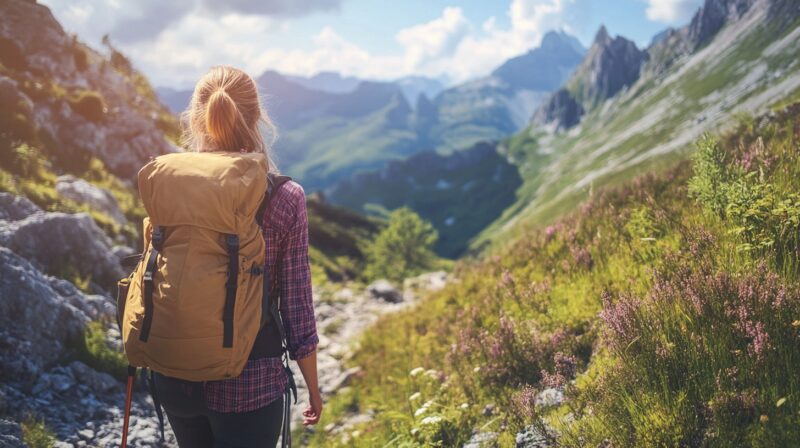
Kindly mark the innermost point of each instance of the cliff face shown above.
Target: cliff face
(610, 65)
(80, 101)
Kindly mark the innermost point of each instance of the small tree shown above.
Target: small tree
(403, 248)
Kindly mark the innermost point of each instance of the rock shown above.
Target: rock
(532, 437)
(481, 440)
(427, 282)
(86, 434)
(36, 321)
(549, 397)
(561, 111)
(14, 208)
(488, 410)
(10, 434)
(382, 289)
(344, 379)
(58, 240)
(82, 192)
(97, 382)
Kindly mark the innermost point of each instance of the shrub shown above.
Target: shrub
(403, 248)
(11, 55)
(35, 434)
(99, 355)
(89, 104)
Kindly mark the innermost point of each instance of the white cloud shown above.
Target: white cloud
(447, 46)
(671, 11)
(433, 40)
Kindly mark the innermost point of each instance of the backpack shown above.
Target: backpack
(199, 294)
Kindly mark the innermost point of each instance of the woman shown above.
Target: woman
(246, 411)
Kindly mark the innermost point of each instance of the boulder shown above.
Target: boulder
(14, 208)
(10, 434)
(383, 290)
(82, 192)
(36, 322)
(56, 241)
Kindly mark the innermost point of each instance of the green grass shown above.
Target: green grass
(35, 434)
(676, 320)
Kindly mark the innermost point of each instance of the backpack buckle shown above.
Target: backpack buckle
(148, 276)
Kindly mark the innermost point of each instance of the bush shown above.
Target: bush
(36, 435)
(97, 354)
(11, 55)
(89, 104)
(402, 249)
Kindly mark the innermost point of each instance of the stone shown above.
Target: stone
(82, 192)
(14, 208)
(344, 379)
(97, 382)
(57, 240)
(532, 437)
(481, 440)
(10, 434)
(549, 397)
(383, 290)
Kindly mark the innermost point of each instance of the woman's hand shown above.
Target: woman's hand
(314, 410)
(308, 367)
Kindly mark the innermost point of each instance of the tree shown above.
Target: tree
(403, 248)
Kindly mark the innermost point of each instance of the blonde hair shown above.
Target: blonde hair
(225, 113)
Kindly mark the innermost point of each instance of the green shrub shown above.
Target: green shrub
(97, 354)
(35, 434)
(89, 104)
(402, 249)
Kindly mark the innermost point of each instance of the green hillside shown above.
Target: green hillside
(749, 65)
(665, 310)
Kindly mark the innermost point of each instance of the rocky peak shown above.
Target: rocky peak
(610, 65)
(543, 68)
(712, 17)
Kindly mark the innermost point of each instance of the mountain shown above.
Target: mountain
(177, 100)
(609, 66)
(642, 110)
(331, 129)
(459, 193)
(331, 82)
(493, 107)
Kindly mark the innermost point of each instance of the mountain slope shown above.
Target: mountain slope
(749, 64)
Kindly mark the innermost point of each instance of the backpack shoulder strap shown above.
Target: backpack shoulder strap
(274, 181)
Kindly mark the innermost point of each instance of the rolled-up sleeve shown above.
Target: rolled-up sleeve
(297, 307)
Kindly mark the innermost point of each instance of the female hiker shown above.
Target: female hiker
(247, 410)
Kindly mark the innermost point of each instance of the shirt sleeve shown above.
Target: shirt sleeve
(297, 307)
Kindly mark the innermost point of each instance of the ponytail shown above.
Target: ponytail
(223, 121)
(225, 114)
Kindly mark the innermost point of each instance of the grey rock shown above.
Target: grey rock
(81, 191)
(532, 437)
(10, 434)
(14, 208)
(383, 290)
(36, 322)
(561, 110)
(97, 382)
(488, 410)
(549, 397)
(344, 379)
(57, 240)
(481, 440)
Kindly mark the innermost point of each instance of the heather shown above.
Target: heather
(665, 310)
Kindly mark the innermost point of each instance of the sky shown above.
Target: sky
(175, 41)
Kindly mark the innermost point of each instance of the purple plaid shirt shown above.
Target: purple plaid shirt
(285, 229)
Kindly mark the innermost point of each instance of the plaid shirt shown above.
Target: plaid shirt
(285, 230)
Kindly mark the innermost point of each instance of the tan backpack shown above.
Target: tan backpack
(194, 304)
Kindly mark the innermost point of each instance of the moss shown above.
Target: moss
(95, 352)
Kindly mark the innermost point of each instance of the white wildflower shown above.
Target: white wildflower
(415, 396)
(431, 420)
(416, 371)
(420, 411)
(464, 406)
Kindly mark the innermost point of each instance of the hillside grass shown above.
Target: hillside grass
(666, 309)
(650, 126)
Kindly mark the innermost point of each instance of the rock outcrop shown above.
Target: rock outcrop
(57, 241)
(80, 191)
(59, 78)
(561, 111)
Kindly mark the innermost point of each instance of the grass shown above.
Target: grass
(35, 434)
(666, 320)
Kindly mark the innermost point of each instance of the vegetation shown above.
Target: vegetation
(402, 249)
(666, 310)
(96, 352)
(36, 435)
(89, 104)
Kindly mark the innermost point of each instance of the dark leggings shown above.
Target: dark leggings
(195, 426)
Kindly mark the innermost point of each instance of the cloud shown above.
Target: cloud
(671, 11)
(470, 51)
(144, 20)
(433, 40)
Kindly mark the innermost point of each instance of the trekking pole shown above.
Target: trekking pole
(128, 398)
